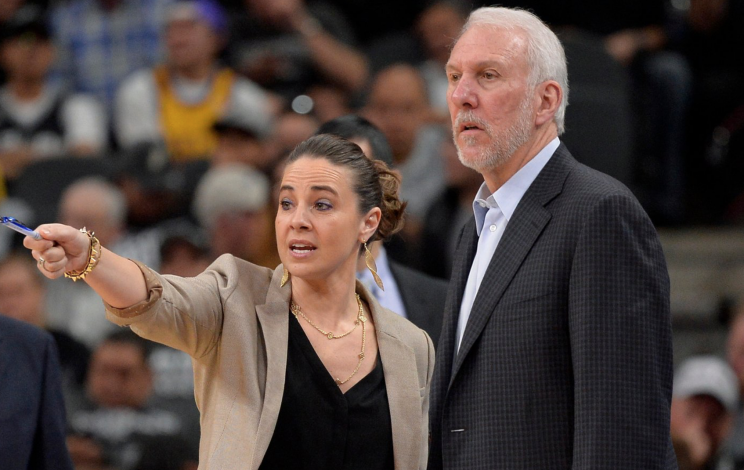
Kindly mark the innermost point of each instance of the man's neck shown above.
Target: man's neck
(194, 73)
(496, 177)
(26, 90)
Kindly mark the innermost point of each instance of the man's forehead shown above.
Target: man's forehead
(484, 42)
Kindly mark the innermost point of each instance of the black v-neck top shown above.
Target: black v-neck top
(319, 427)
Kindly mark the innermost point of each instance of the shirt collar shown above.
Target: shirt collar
(507, 197)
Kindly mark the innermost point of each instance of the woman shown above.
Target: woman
(295, 368)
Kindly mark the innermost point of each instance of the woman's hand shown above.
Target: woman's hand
(62, 249)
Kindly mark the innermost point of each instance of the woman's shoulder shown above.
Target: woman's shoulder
(241, 272)
(404, 330)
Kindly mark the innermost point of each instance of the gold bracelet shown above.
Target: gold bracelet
(94, 256)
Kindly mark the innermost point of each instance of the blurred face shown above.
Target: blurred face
(86, 207)
(118, 376)
(735, 350)
(21, 292)
(190, 43)
(700, 417)
(398, 105)
(489, 97)
(318, 223)
(243, 234)
(437, 27)
(27, 57)
(234, 146)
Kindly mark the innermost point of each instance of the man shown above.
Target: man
(22, 296)
(38, 118)
(399, 105)
(408, 292)
(32, 413)
(232, 204)
(705, 398)
(121, 416)
(100, 206)
(179, 101)
(556, 344)
(735, 356)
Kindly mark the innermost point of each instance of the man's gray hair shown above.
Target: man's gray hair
(111, 196)
(545, 55)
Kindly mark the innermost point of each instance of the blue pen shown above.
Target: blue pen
(19, 227)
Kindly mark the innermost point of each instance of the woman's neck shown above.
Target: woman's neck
(329, 302)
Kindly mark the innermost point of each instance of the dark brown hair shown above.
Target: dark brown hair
(374, 183)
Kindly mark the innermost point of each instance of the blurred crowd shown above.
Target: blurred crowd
(162, 126)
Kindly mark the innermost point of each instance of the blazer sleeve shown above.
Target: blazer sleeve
(619, 322)
(425, 431)
(184, 313)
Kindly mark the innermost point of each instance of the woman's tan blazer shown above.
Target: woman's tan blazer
(233, 321)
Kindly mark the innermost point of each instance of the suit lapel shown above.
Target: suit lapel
(464, 255)
(401, 381)
(274, 319)
(522, 231)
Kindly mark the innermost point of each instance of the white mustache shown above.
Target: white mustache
(469, 116)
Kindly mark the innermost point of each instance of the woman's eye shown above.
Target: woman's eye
(323, 206)
(285, 205)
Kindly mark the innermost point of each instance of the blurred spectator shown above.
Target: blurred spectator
(735, 355)
(155, 188)
(37, 118)
(239, 141)
(408, 292)
(22, 296)
(436, 28)
(184, 251)
(291, 129)
(99, 206)
(232, 204)
(179, 101)
(100, 42)
(398, 104)
(329, 102)
(287, 46)
(712, 41)
(168, 453)
(704, 400)
(32, 413)
(116, 423)
(447, 214)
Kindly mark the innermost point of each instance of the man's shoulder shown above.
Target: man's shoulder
(423, 281)
(20, 332)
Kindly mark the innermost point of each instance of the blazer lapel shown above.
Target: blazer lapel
(521, 233)
(401, 381)
(274, 319)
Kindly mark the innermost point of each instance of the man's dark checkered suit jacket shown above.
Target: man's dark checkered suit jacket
(566, 360)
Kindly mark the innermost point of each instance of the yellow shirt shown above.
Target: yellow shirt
(187, 128)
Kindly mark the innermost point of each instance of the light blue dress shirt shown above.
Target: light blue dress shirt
(492, 214)
(389, 298)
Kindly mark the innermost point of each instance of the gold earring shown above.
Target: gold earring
(285, 277)
(372, 266)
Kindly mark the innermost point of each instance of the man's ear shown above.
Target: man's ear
(550, 96)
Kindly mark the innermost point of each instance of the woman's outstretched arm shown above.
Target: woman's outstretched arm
(117, 280)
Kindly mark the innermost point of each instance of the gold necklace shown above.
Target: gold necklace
(296, 310)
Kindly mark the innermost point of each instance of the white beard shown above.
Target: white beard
(504, 142)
